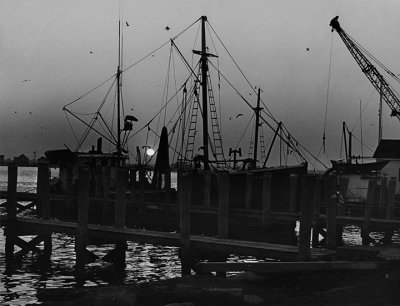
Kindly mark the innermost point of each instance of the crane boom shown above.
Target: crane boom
(373, 75)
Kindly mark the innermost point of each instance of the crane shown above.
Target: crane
(370, 71)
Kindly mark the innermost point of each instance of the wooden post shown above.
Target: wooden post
(70, 187)
(184, 196)
(81, 237)
(167, 179)
(223, 204)
(293, 188)
(383, 197)
(106, 184)
(365, 230)
(120, 198)
(43, 184)
(391, 198)
(43, 189)
(207, 188)
(316, 213)
(11, 230)
(142, 178)
(266, 199)
(120, 216)
(387, 239)
(98, 187)
(343, 185)
(249, 190)
(307, 204)
(331, 208)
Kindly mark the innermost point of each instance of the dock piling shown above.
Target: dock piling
(223, 204)
(306, 216)
(266, 199)
(10, 231)
(331, 211)
(365, 230)
(81, 236)
(184, 197)
(293, 188)
(43, 184)
(120, 216)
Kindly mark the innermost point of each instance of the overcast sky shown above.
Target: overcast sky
(45, 63)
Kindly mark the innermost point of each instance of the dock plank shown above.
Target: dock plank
(290, 267)
(258, 249)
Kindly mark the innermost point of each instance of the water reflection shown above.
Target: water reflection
(144, 262)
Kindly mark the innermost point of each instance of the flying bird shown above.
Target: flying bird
(308, 49)
(24, 81)
(167, 28)
(238, 115)
(127, 24)
(30, 113)
(90, 52)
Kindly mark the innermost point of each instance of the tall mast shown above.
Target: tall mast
(257, 111)
(204, 68)
(119, 149)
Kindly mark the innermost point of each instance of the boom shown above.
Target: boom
(373, 75)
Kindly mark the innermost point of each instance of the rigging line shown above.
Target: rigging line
(90, 91)
(375, 59)
(190, 69)
(70, 125)
(231, 57)
(290, 143)
(361, 130)
(167, 83)
(113, 113)
(195, 40)
(365, 106)
(164, 97)
(341, 145)
(241, 96)
(240, 70)
(175, 83)
(327, 95)
(296, 146)
(248, 124)
(108, 128)
(158, 48)
(86, 133)
(130, 66)
(251, 143)
(155, 116)
(212, 41)
(233, 87)
(365, 146)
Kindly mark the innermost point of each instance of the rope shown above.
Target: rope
(327, 96)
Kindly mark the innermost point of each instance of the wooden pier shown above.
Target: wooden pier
(313, 201)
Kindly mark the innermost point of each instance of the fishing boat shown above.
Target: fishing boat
(189, 141)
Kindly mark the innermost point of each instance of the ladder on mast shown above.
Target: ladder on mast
(217, 148)
(193, 123)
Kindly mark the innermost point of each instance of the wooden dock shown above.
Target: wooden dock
(318, 212)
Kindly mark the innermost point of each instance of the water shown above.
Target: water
(144, 262)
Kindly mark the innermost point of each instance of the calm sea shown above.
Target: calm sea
(145, 262)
